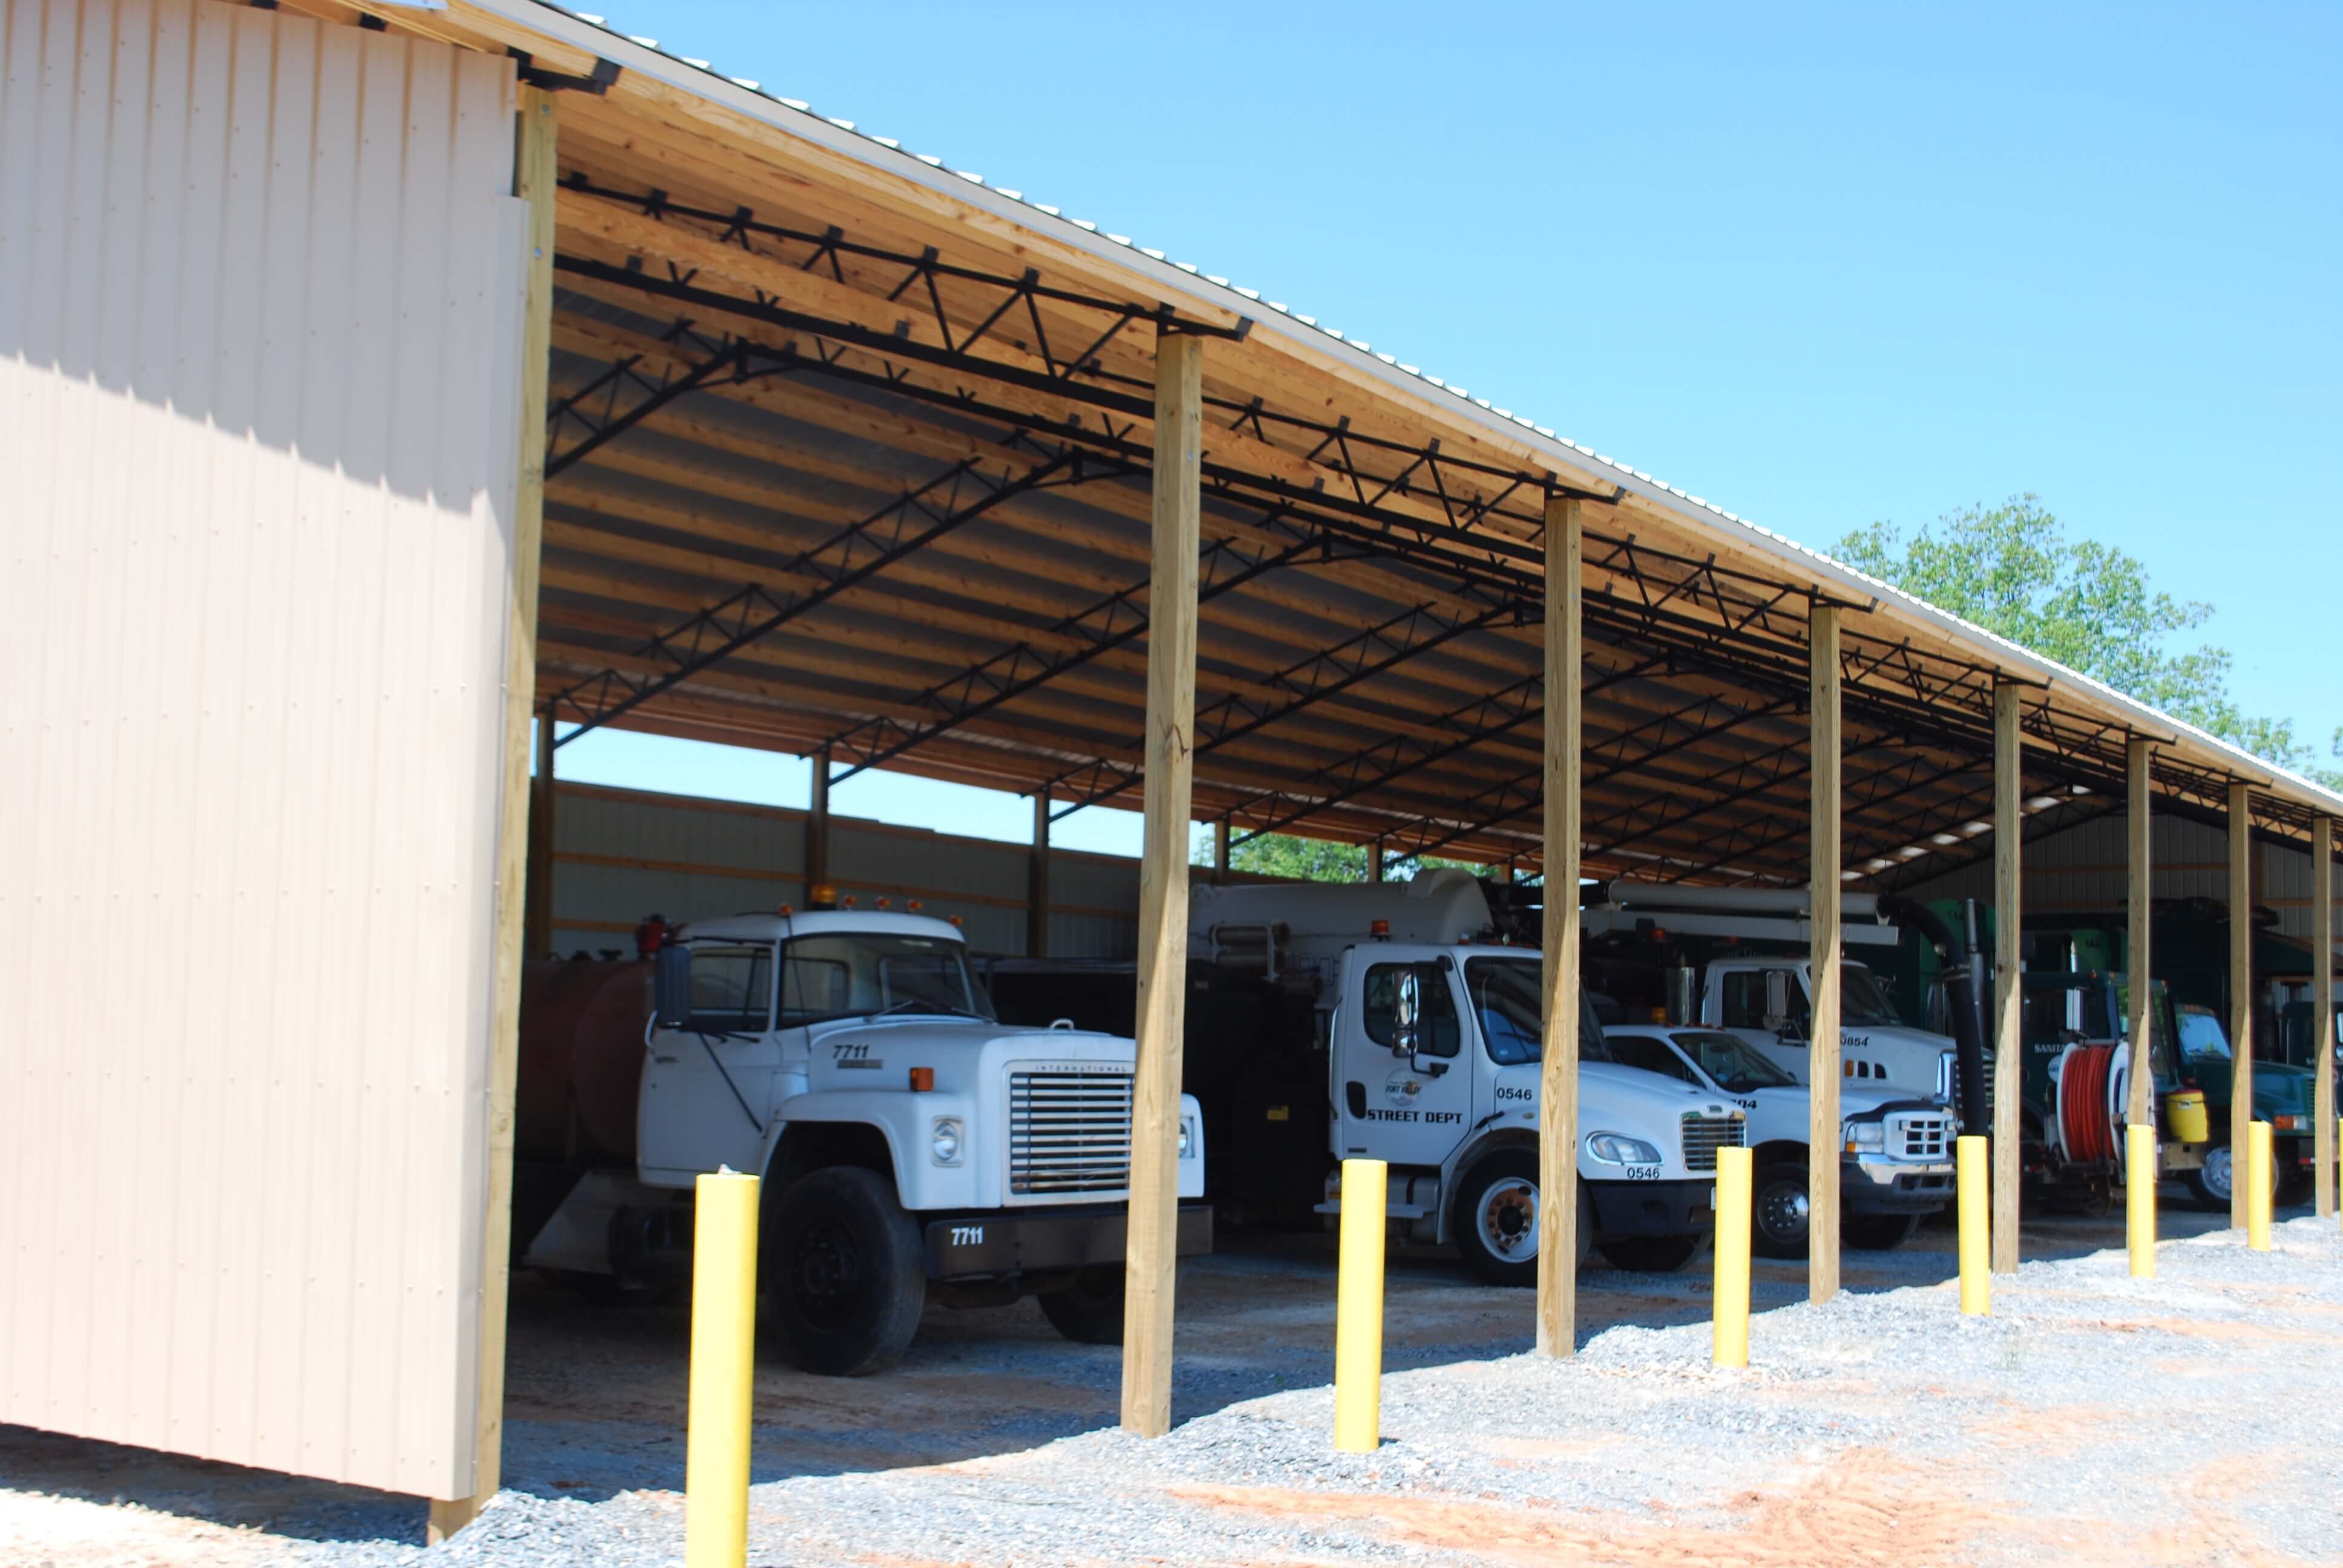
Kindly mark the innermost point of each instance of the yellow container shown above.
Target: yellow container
(2184, 1113)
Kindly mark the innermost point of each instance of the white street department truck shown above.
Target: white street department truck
(908, 1142)
(1895, 1151)
(1449, 1096)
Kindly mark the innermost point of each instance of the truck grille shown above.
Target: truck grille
(1069, 1132)
(1921, 1137)
(1704, 1135)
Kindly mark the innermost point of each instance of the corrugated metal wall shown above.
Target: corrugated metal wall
(259, 338)
(2083, 868)
(621, 854)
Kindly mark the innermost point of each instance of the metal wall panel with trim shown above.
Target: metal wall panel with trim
(260, 285)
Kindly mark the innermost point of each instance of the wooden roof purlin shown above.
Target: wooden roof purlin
(772, 330)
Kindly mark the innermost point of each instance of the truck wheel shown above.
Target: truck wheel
(1651, 1255)
(1090, 1311)
(842, 1273)
(1495, 1218)
(1778, 1210)
(2212, 1182)
(1878, 1232)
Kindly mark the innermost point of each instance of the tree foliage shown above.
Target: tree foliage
(1290, 856)
(2013, 569)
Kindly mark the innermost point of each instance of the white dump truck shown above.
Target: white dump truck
(1430, 1023)
(910, 1144)
(1735, 960)
(1895, 1151)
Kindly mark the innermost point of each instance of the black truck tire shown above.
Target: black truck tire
(1494, 1221)
(1878, 1232)
(1090, 1311)
(2209, 1183)
(1779, 1209)
(842, 1273)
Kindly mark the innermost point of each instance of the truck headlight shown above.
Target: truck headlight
(1187, 1138)
(1618, 1149)
(944, 1141)
(1860, 1135)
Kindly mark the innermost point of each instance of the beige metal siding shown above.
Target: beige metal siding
(259, 306)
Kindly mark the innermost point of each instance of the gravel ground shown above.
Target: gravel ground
(2092, 1419)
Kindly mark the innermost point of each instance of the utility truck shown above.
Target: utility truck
(1895, 1151)
(1413, 1023)
(912, 1145)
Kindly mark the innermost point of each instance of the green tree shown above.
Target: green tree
(1291, 856)
(2013, 569)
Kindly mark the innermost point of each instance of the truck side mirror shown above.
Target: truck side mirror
(671, 986)
(1778, 1001)
(1406, 1007)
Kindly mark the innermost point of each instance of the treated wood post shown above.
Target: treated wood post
(1557, 1255)
(2322, 1006)
(2241, 994)
(534, 177)
(1375, 860)
(1037, 900)
(1221, 850)
(2009, 1054)
(2141, 1111)
(1823, 958)
(1152, 1254)
(816, 844)
(537, 922)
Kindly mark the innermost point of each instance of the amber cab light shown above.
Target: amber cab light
(923, 1078)
(1380, 929)
(822, 896)
(882, 900)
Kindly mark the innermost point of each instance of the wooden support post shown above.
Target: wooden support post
(1824, 961)
(2141, 1111)
(2322, 1007)
(1376, 861)
(534, 175)
(537, 922)
(2008, 1053)
(1557, 1211)
(1151, 1257)
(1220, 849)
(816, 844)
(1037, 893)
(2241, 994)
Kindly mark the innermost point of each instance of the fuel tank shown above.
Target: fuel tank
(581, 1060)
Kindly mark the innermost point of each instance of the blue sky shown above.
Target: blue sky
(1823, 265)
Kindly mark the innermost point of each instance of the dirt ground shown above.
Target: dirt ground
(596, 1406)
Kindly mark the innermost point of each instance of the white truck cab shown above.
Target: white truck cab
(1895, 1151)
(906, 1137)
(1768, 1003)
(1434, 1062)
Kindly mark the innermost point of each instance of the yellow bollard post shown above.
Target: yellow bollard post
(723, 1371)
(2140, 1198)
(2258, 1185)
(1976, 1220)
(1729, 1311)
(1358, 1310)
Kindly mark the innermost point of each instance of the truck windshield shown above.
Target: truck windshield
(1505, 993)
(2201, 1033)
(853, 974)
(1736, 1068)
(1861, 1001)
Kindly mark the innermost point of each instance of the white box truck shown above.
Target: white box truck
(910, 1144)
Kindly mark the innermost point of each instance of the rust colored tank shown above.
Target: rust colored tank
(581, 1060)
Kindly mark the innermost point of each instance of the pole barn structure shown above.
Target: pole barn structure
(384, 384)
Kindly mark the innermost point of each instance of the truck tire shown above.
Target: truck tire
(2209, 1183)
(1494, 1222)
(1878, 1232)
(1090, 1311)
(842, 1273)
(1778, 1206)
(1651, 1255)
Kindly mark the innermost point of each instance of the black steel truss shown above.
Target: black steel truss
(1224, 564)
(854, 553)
(1746, 840)
(624, 394)
(1308, 681)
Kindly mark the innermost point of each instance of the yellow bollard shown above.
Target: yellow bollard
(723, 1371)
(1976, 1219)
(2258, 1185)
(1729, 1329)
(2140, 1198)
(1358, 1310)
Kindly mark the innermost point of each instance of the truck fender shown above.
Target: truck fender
(800, 1120)
(1468, 1153)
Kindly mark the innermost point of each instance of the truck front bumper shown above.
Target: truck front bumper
(1026, 1240)
(1654, 1208)
(1870, 1185)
